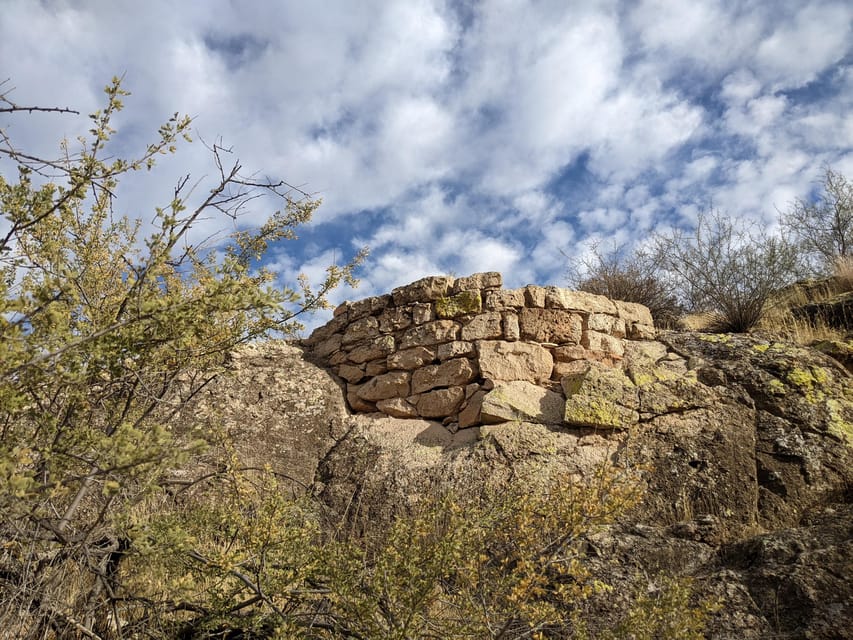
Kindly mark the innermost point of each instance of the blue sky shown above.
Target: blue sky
(453, 137)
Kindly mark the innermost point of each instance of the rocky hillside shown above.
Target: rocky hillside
(743, 446)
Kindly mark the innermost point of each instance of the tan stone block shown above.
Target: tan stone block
(462, 304)
(376, 367)
(534, 296)
(604, 323)
(550, 325)
(556, 298)
(601, 397)
(350, 373)
(368, 306)
(394, 319)
(372, 350)
(504, 299)
(455, 349)
(512, 330)
(453, 372)
(440, 403)
(569, 353)
(641, 332)
(360, 330)
(397, 408)
(431, 333)
(328, 346)
(469, 416)
(500, 360)
(604, 343)
(421, 312)
(522, 401)
(333, 326)
(355, 402)
(486, 280)
(633, 312)
(389, 385)
(424, 290)
(483, 327)
(410, 358)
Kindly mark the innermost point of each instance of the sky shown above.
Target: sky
(453, 137)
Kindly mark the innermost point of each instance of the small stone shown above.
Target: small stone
(394, 319)
(522, 401)
(376, 367)
(634, 313)
(368, 306)
(424, 290)
(603, 343)
(328, 346)
(361, 330)
(486, 280)
(410, 359)
(551, 325)
(357, 403)
(556, 298)
(604, 323)
(350, 373)
(470, 414)
(373, 350)
(397, 408)
(534, 296)
(421, 313)
(505, 300)
(512, 332)
(455, 349)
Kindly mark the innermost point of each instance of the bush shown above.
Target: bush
(823, 228)
(104, 337)
(727, 268)
(632, 276)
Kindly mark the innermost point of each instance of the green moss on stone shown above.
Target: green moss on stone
(461, 304)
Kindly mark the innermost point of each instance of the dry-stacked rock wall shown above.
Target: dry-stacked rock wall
(467, 352)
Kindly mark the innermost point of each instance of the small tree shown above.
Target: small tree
(104, 337)
(823, 228)
(727, 268)
(629, 275)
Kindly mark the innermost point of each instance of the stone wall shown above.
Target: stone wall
(467, 352)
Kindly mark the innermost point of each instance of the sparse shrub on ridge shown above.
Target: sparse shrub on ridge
(629, 275)
(728, 268)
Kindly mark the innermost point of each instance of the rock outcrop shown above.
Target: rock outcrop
(743, 446)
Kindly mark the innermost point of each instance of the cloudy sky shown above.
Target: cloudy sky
(458, 136)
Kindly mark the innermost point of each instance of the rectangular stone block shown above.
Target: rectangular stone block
(462, 304)
(394, 319)
(603, 343)
(424, 290)
(504, 299)
(604, 323)
(486, 280)
(501, 360)
(412, 358)
(368, 306)
(455, 349)
(557, 298)
(430, 333)
(512, 330)
(372, 350)
(360, 330)
(455, 372)
(550, 325)
(534, 296)
(485, 326)
(389, 385)
(441, 403)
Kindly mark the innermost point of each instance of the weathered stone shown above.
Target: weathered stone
(644, 362)
(389, 385)
(376, 367)
(550, 325)
(470, 414)
(600, 397)
(461, 304)
(604, 323)
(421, 312)
(569, 353)
(487, 280)
(440, 403)
(397, 408)
(431, 333)
(504, 299)
(373, 350)
(604, 343)
(360, 330)
(328, 346)
(501, 360)
(333, 326)
(368, 306)
(350, 373)
(455, 349)
(410, 358)
(534, 296)
(453, 372)
(634, 313)
(556, 298)
(338, 358)
(341, 309)
(394, 319)
(483, 327)
(424, 290)
(356, 402)
(641, 332)
(522, 401)
(471, 389)
(512, 331)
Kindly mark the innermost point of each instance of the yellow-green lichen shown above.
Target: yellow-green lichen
(809, 381)
(461, 304)
(715, 337)
(838, 426)
(596, 412)
(777, 387)
(761, 348)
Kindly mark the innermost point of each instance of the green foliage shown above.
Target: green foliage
(104, 337)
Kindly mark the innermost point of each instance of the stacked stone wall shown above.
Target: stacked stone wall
(467, 352)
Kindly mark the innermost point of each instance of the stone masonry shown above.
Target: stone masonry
(467, 352)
